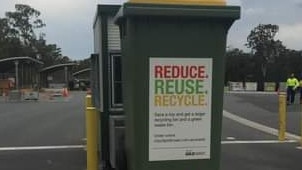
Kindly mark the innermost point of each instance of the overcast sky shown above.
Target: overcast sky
(69, 22)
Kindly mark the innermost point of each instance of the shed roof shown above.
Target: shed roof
(57, 67)
(9, 63)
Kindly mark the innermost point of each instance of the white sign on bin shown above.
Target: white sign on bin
(180, 94)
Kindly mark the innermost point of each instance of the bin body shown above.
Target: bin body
(173, 75)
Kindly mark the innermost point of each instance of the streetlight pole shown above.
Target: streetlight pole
(17, 74)
(66, 76)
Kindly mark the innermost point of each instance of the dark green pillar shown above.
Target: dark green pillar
(173, 78)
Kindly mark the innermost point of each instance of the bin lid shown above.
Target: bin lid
(183, 2)
(200, 11)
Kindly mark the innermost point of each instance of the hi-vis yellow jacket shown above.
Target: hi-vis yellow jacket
(292, 82)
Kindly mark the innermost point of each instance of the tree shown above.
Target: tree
(23, 21)
(82, 64)
(265, 49)
(293, 63)
(50, 54)
(17, 32)
(239, 66)
(18, 37)
(9, 43)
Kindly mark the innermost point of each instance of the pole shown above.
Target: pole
(91, 134)
(282, 116)
(17, 74)
(66, 76)
(88, 101)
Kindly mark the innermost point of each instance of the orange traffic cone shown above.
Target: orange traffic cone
(65, 92)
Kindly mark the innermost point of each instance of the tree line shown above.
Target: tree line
(20, 35)
(268, 61)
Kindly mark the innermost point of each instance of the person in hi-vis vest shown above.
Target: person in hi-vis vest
(291, 85)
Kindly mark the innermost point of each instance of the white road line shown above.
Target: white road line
(257, 126)
(26, 148)
(258, 142)
(230, 138)
(299, 148)
(294, 138)
(23, 148)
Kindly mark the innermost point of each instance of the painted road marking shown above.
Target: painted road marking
(258, 126)
(24, 148)
(299, 147)
(258, 142)
(230, 138)
(294, 138)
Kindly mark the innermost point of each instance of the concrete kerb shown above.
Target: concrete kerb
(258, 126)
(253, 92)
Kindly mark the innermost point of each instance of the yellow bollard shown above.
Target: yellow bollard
(282, 116)
(91, 135)
(88, 101)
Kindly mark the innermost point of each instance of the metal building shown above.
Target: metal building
(107, 83)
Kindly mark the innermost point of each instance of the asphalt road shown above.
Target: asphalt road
(252, 149)
(39, 126)
(263, 108)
